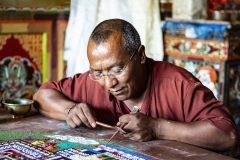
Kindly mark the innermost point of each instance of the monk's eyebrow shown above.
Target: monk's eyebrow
(117, 64)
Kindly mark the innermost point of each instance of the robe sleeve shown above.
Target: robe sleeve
(201, 104)
(73, 88)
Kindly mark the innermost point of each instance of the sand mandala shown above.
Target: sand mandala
(41, 146)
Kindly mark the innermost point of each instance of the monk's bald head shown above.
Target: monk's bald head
(105, 29)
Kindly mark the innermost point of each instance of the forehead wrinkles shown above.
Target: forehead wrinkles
(103, 57)
(106, 54)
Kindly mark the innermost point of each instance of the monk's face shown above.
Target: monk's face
(109, 57)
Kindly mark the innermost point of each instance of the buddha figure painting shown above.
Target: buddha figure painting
(18, 77)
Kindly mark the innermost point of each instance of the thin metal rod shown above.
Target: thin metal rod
(105, 125)
(122, 125)
(134, 110)
(113, 136)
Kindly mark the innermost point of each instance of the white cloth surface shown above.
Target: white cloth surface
(82, 20)
(146, 19)
(189, 9)
(85, 15)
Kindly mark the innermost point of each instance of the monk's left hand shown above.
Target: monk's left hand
(139, 127)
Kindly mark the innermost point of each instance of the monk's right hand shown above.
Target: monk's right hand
(81, 114)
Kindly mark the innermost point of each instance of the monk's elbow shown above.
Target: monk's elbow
(232, 145)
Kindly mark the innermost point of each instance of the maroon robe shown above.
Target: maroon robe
(173, 93)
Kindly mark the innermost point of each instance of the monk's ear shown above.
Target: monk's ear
(141, 54)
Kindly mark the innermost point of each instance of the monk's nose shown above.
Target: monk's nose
(109, 82)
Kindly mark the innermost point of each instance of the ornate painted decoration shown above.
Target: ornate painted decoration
(21, 65)
(202, 39)
(218, 50)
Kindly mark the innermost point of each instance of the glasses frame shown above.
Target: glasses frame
(91, 76)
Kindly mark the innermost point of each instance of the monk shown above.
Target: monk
(172, 104)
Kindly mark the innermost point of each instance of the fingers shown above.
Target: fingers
(131, 117)
(125, 118)
(130, 121)
(73, 121)
(81, 114)
(86, 116)
(139, 127)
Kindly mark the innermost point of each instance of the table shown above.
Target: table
(156, 149)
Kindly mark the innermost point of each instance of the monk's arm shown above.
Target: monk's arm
(200, 133)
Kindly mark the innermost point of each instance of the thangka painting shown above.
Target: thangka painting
(209, 73)
(233, 85)
(22, 64)
(16, 27)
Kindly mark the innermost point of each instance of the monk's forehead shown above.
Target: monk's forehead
(112, 45)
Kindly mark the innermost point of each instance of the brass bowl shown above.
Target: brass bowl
(18, 107)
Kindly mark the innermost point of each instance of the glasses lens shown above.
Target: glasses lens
(115, 73)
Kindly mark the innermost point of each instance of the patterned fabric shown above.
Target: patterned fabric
(204, 31)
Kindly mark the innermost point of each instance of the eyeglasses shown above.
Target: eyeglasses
(113, 73)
